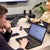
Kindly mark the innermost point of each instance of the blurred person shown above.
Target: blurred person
(46, 16)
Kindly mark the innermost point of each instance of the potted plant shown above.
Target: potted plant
(39, 8)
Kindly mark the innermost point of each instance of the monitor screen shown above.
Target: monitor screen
(37, 31)
(13, 0)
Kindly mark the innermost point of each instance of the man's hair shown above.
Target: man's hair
(3, 10)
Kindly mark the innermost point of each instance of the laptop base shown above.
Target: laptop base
(32, 42)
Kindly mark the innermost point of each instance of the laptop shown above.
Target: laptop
(35, 36)
(26, 30)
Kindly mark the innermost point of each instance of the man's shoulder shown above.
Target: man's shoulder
(46, 11)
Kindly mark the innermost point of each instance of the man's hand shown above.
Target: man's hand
(7, 26)
(23, 43)
(35, 20)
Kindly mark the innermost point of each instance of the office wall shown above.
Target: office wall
(19, 7)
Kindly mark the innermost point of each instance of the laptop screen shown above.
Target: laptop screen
(37, 31)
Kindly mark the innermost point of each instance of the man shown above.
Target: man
(46, 16)
(4, 37)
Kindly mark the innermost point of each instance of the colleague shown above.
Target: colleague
(5, 37)
(46, 16)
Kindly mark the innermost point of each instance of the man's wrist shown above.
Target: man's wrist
(9, 29)
(22, 47)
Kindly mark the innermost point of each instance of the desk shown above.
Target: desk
(14, 44)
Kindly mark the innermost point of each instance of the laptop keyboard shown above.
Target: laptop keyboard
(27, 30)
(32, 42)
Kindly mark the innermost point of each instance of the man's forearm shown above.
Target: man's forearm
(7, 35)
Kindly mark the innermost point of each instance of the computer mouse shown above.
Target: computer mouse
(15, 34)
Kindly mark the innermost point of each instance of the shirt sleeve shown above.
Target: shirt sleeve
(4, 45)
(20, 49)
(7, 35)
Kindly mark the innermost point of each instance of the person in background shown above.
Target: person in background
(5, 37)
(46, 16)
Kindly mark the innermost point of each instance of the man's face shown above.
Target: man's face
(3, 20)
(47, 5)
